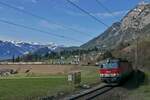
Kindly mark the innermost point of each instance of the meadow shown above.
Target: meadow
(32, 86)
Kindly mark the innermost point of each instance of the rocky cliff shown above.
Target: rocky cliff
(135, 24)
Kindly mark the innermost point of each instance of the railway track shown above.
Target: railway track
(91, 93)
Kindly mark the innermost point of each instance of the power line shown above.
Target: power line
(86, 12)
(108, 10)
(38, 30)
(42, 18)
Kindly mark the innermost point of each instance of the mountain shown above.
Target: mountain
(136, 23)
(8, 49)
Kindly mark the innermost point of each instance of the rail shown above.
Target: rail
(91, 93)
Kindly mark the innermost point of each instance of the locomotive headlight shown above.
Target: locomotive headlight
(115, 74)
(101, 75)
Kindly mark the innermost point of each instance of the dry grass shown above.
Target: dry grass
(42, 69)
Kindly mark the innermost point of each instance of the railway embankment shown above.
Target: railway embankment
(133, 88)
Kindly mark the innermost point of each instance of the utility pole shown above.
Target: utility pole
(135, 37)
(136, 31)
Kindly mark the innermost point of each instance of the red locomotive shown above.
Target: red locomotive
(115, 70)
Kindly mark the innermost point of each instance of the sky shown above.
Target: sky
(60, 18)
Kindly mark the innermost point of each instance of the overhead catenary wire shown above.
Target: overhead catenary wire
(38, 30)
(88, 13)
(43, 18)
(108, 10)
(104, 7)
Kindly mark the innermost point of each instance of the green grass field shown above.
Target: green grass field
(30, 87)
(19, 89)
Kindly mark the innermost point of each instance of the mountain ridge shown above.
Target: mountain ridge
(130, 25)
(9, 49)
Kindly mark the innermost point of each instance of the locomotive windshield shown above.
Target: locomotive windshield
(109, 65)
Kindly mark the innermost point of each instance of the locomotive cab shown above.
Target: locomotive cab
(114, 70)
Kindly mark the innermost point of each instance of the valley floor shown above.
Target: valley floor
(34, 86)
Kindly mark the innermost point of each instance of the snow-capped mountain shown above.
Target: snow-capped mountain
(8, 49)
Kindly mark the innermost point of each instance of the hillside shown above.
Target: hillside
(137, 21)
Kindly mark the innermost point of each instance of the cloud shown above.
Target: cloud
(46, 24)
(99, 14)
(30, 1)
(116, 13)
(75, 1)
(1, 7)
(34, 1)
(21, 7)
(73, 13)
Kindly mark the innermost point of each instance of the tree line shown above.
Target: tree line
(35, 57)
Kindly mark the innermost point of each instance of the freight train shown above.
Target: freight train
(115, 70)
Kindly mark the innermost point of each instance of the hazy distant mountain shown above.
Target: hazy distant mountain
(135, 23)
(8, 49)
